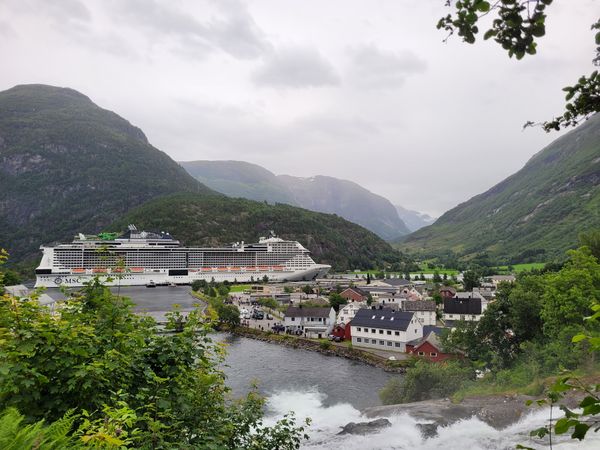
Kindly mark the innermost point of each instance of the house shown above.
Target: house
(343, 331)
(428, 347)
(354, 294)
(347, 313)
(468, 306)
(397, 283)
(313, 322)
(447, 292)
(385, 329)
(425, 310)
(497, 279)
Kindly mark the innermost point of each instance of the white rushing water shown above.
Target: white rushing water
(471, 434)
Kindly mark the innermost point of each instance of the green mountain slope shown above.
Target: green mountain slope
(535, 214)
(322, 194)
(213, 221)
(67, 165)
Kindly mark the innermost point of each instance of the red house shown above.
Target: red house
(354, 294)
(428, 347)
(343, 331)
(447, 292)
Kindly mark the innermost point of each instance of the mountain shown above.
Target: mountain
(213, 221)
(323, 194)
(533, 215)
(414, 220)
(67, 165)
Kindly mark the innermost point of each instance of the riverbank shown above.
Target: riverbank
(325, 348)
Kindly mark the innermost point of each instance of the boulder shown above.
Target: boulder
(365, 427)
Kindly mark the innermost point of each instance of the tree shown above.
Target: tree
(436, 277)
(368, 278)
(265, 279)
(516, 26)
(307, 289)
(471, 279)
(336, 300)
(126, 384)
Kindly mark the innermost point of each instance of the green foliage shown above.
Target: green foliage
(130, 385)
(336, 300)
(17, 435)
(517, 25)
(425, 381)
(268, 302)
(471, 279)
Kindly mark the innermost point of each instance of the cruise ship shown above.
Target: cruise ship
(138, 258)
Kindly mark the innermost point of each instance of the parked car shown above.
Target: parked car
(269, 317)
(258, 315)
(278, 328)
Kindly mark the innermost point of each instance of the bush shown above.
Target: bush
(325, 345)
(427, 381)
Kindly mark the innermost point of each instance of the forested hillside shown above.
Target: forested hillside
(533, 215)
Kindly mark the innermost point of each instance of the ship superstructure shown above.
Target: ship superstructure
(137, 258)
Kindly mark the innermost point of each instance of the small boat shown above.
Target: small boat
(171, 284)
(150, 284)
(137, 269)
(78, 270)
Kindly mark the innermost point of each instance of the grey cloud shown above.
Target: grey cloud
(232, 30)
(296, 67)
(59, 11)
(374, 68)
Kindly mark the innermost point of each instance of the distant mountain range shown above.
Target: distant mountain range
(414, 220)
(320, 193)
(69, 166)
(533, 215)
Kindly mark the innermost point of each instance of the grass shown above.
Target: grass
(238, 287)
(517, 268)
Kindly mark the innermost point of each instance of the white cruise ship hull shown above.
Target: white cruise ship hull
(162, 277)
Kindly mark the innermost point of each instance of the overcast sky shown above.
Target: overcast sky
(362, 90)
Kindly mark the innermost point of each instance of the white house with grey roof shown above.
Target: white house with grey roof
(309, 321)
(385, 329)
(425, 310)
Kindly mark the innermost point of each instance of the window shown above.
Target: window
(421, 353)
(357, 328)
(373, 341)
(358, 340)
(397, 344)
(433, 354)
(389, 343)
(380, 331)
(373, 330)
(381, 342)
(293, 319)
(397, 333)
(389, 332)
(415, 330)
(320, 319)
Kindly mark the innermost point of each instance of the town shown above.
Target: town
(392, 318)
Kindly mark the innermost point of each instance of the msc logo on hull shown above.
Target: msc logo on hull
(58, 281)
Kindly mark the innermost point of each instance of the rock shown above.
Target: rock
(365, 427)
(428, 430)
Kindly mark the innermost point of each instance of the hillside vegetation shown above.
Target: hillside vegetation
(533, 215)
(320, 193)
(67, 165)
(212, 221)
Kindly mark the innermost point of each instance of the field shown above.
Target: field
(517, 268)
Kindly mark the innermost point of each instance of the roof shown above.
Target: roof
(382, 318)
(396, 282)
(462, 305)
(468, 295)
(448, 288)
(509, 278)
(294, 311)
(418, 305)
(358, 290)
(432, 329)
(430, 337)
